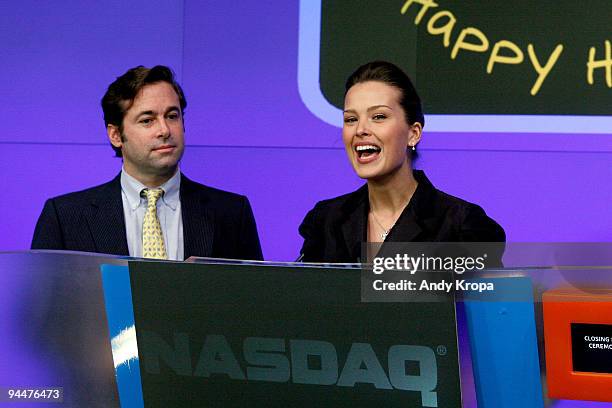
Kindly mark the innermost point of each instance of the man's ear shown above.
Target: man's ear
(114, 135)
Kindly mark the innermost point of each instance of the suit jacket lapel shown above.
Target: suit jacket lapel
(415, 221)
(198, 226)
(406, 229)
(418, 217)
(352, 220)
(106, 220)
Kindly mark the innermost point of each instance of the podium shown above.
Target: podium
(115, 331)
(285, 335)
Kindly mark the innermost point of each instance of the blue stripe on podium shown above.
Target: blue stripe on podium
(120, 317)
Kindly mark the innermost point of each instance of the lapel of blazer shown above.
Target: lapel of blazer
(407, 229)
(419, 217)
(106, 220)
(352, 223)
(198, 226)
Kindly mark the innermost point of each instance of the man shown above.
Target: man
(150, 209)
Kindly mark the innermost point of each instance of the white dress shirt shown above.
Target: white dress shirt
(168, 212)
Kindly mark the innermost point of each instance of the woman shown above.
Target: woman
(383, 124)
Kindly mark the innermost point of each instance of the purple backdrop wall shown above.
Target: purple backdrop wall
(247, 129)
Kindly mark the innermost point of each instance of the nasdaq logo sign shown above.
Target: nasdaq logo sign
(297, 361)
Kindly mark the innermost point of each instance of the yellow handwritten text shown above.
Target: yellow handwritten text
(605, 63)
(472, 39)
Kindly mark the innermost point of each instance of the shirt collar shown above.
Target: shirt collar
(132, 188)
(171, 190)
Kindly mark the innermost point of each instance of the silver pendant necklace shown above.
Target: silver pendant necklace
(385, 233)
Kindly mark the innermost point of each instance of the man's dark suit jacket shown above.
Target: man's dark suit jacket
(334, 229)
(216, 223)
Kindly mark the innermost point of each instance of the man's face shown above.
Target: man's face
(152, 141)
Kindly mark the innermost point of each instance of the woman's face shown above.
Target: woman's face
(375, 132)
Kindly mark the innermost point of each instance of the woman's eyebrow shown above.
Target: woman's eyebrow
(371, 108)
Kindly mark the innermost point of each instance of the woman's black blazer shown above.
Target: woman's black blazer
(334, 229)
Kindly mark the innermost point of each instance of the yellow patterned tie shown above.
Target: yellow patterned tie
(152, 237)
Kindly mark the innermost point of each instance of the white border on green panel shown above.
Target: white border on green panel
(310, 92)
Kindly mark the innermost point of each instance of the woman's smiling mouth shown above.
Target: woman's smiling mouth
(366, 152)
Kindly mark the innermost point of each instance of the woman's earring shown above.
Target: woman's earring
(413, 148)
